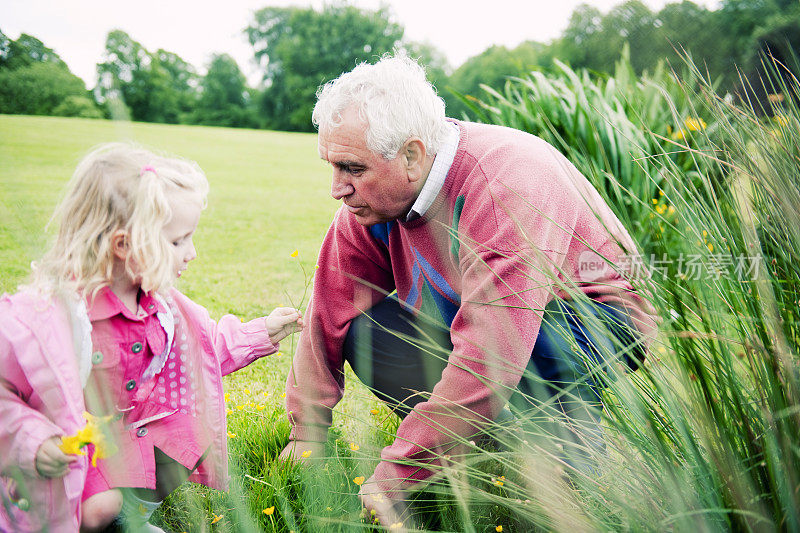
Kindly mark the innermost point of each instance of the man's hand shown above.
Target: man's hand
(51, 461)
(283, 321)
(390, 513)
(304, 451)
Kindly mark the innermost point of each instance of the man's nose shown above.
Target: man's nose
(341, 187)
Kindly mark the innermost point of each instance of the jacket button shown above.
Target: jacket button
(130, 385)
(97, 358)
(136, 347)
(141, 432)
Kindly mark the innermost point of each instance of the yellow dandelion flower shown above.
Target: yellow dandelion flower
(247, 391)
(240, 407)
(354, 446)
(283, 395)
(269, 510)
(373, 411)
(694, 124)
(655, 201)
(231, 435)
(227, 397)
(91, 433)
(279, 354)
(306, 453)
(260, 407)
(499, 529)
(295, 253)
(217, 518)
(72, 445)
(678, 135)
(710, 247)
(498, 482)
(781, 120)
(358, 480)
(228, 411)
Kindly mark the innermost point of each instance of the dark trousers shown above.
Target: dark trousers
(401, 357)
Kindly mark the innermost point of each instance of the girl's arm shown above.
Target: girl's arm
(23, 430)
(236, 343)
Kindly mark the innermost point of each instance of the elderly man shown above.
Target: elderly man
(485, 234)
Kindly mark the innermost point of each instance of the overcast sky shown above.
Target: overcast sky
(76, 29)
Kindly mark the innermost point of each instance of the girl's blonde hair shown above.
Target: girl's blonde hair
(117, 186)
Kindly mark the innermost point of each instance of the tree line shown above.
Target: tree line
(298, 49)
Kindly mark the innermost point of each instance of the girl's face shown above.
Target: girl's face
(179, 230)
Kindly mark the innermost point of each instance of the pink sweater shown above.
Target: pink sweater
(513, 223)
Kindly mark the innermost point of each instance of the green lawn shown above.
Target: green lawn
(269, 195)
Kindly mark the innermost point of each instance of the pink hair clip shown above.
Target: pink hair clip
(147, 168)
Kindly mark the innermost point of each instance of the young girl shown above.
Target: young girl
(101, 329)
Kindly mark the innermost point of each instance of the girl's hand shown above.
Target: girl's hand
(283, 321)
(51, 461)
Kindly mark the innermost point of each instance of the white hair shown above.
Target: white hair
(395, 100)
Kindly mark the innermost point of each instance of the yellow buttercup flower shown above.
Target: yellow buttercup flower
(499, 529)
(92, 433)
(354, 446)
(231, 435)
(694, 124)
(269, 510)
(358, 480)
(781, 120)
(217, 518)
(295, 253)
(306, 453)
(373, 411)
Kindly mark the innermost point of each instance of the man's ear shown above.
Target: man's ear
(119, 244)
(416, 159)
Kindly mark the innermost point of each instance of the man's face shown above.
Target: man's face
(373, 189)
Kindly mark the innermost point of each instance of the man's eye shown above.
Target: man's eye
(355, 171)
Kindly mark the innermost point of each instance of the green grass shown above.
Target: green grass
(269, 195)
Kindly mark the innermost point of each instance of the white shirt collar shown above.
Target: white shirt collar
(436, 177)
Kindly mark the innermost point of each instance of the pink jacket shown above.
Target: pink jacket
(41, 396)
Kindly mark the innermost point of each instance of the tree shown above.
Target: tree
(35, 81)
(492, 67)
(224, 95)
(155, 87)
(41, 88)
(25, 51)
(301, 48)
